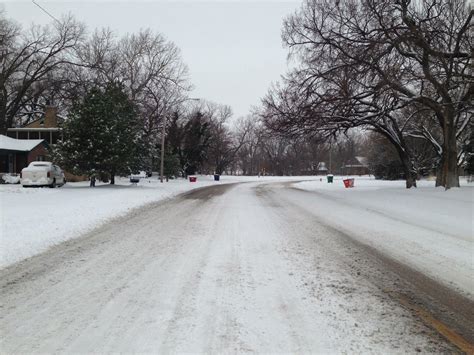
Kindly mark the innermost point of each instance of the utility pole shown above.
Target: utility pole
(162, 162)
(330, 157)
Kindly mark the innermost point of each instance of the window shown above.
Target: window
(40, 158)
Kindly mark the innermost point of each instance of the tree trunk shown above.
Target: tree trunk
(112, 177)
(3, 127)
(407, 167)
(3, 117)
(448, 174)
(405, 159)
(410, 178)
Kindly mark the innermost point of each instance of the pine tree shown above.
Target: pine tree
(174, 142)
(101, 135)
(195, 143)
(172, 165)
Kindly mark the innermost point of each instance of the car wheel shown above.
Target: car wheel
(53, 185)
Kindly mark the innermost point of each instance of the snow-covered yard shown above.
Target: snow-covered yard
(428, 228)
(34, 219)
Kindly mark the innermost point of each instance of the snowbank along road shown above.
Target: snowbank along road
(231, 268)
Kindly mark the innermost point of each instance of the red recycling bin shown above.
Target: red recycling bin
(348, 183)
(192, 179)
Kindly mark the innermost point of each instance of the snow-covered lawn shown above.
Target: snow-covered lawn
(428, 228)
(34, 219)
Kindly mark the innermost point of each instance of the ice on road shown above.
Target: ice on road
(224, 269)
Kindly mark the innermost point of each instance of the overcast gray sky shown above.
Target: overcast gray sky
(233, 48)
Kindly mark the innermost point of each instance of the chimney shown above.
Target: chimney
(50, 117)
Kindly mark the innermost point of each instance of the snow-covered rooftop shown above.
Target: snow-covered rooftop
(363, 160)
(23, 145)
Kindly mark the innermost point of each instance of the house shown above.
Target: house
(15, 154)
(322, 169)
(355, 166)
(22, 145)
(46, 127)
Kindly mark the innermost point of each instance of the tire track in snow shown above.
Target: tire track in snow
(233, 271)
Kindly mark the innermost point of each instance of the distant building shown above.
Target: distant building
(321, 168)
(15, 154)
(45, 127)
(356, 166)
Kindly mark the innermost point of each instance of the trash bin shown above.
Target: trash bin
(192, 179)
(217, 177)
(348, 183)
(330, 178)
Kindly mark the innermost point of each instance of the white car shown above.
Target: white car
(42, 173)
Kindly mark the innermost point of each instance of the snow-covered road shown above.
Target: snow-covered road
(229, 268)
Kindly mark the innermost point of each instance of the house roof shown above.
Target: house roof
(322, 166)
(34, 129)
(356, 162)
(363, 160)
(19, 145)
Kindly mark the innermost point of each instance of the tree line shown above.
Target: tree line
(114, 95)
(390, 80)
(401, 69)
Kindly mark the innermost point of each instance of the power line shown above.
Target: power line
(46, 11)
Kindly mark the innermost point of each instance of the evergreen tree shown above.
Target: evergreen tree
(195, 143)
(172, 165)
(101, 135)
(174, 142)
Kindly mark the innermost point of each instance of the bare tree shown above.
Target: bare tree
(250, 131)
(225, 142)
(364, 63)
(143, 63)
(334, 103)
(150, 69)
(29, 57)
